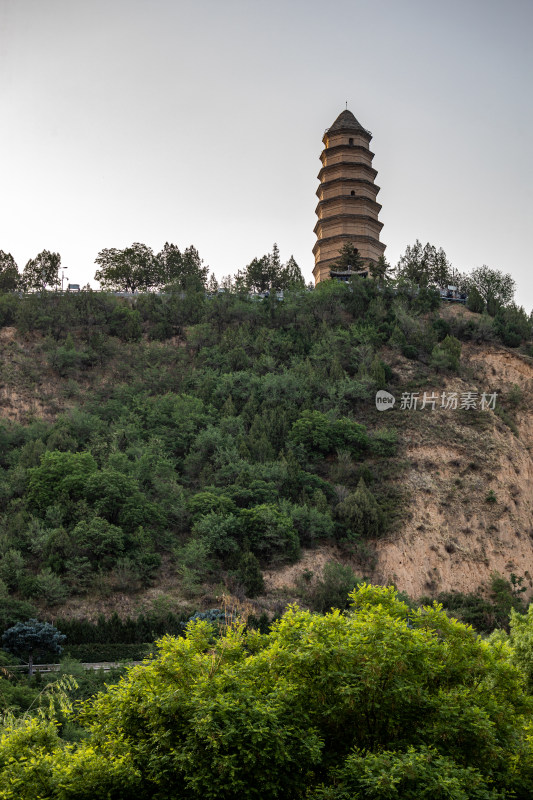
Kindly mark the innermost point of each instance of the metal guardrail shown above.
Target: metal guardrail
(106, 666)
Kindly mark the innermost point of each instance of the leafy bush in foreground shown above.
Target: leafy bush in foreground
(383, 701)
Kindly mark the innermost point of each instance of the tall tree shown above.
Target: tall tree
(493, 285)
(257, 275)
(349, 258)
(9, 274)
(185, 271)
(291, 275)
(441, 270)
(424, 266)
(381, 270)
(42, 271)
(194, 273)
(170, 264)
(269, 274)
(127, 270)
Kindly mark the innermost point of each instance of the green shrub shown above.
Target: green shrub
(9, 305)
(126, 323)
(361, 513)
(441, 328)
(98, 541)
(472, 609)
(66, 360)
(493, 305)
(203, 503)
(114, 630)
(515, 395)
(474, 301)
(377, 373)
(195, 564)
(12, 611)
(222, 533)
(384, 442)
(410, 351)
(310, 523)
(512, 325)
(319, 436)
(419, 773)
(506, 419)
(427, 299)
(446, 355)
(382, 702)
(332, 588)
(46, 585)
(249, 575)
(489, 607)
(270, 534)
(11, 568)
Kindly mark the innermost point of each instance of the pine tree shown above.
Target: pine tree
(362, 512)
(249, 575)
(424, 266)
(380, 270)
(349, 258)
(291, 275)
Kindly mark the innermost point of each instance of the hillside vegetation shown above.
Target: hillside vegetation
(176, 447)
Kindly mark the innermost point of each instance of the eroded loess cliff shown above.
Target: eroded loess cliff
(470, 482)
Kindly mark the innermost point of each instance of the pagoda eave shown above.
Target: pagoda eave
(358, 181)
(355, 217)
(350, 164)
(350, 237)
(337, 148)
(329, 132)
(351, 199)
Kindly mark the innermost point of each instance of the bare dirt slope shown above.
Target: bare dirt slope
(28, 386)
(455, 537)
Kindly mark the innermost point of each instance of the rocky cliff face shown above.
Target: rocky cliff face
(470, 481)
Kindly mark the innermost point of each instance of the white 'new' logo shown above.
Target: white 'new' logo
(384, 400)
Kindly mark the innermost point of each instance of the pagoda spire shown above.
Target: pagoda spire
(347, 210)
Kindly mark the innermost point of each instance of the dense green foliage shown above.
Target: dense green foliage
(137, 268)
(206, 427)
(268, 274)
(42, 271)
(224, 445)
(488, 608)
(492, 285)
(382, 702)
(425, 266)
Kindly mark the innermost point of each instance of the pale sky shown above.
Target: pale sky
(201, 123)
